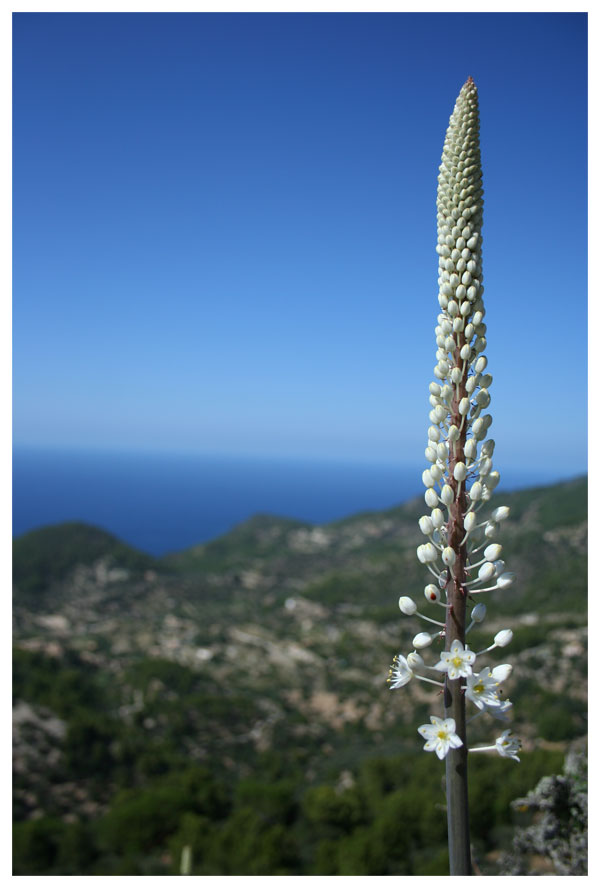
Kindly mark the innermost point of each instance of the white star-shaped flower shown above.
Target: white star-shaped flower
(508, 745)
(457, 661)
(400, 673)
(481, 689)
(440, 736)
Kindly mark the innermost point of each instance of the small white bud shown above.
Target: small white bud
(465, 352)
(488, 447)
(492, 480)
(431, 454)
(502, 672)
(486, 572)
(492, 552)
(422, 640)
(490, 529)
(470, 384)
(432, 593)
(442, 451)
(415, 660)
(470, 520)
(407, 605)
(505, 580)
(449, 556)
(453, 433)
(500, 513)
(471, 448)
(452, 308)
(426, 525)
(464, 406)
(437, 516)
(499, 566)
(434, 433)
(429, 552)
(476, 491)
(456, 375)
(436, 471)
(503, 638)
(427, 479)
(481, 362)
(469, 331)
(434, 389)
(478, 612)
(458, 324)
(431, 498)
(446, 495)
(460, 472)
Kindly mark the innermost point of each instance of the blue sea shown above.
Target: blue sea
(163, 503)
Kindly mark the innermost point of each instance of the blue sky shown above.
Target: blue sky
(224, 230)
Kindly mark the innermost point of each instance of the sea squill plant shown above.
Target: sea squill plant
(461, 552)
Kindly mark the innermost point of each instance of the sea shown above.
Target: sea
(162, 503)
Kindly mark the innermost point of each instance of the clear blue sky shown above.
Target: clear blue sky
(224, 230)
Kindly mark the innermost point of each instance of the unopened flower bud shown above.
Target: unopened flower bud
(456, 375)
(478, 612)
(427, 479)
(434, 433)
(475, 491)
(503, 638)
(446, 495)
(430, 453)
(437, 516)
(464, 406)
(449, 556)
(432, 593)
(488, 447)
(492, 480)
(465, 351)
(429, 552)
(471, 448)
(490, 529)
(470, 520)
(434, 389)
(500, 513)
(407, 605)
(502, 672)
(499, 566)
(482, 360)
(422, 640)
(486, 571)
(460, 472)
(453, 434)
(505, 580)
(415, 660)
(426, 525)
(492, 552)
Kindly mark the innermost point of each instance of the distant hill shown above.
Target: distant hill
(47, 555)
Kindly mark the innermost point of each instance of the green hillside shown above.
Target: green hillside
(232, 697)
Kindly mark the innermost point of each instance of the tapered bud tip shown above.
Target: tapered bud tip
(503, 638)
(407, 605)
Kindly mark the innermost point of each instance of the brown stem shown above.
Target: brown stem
(454, 698)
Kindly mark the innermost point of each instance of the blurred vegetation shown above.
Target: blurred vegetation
(231, 698)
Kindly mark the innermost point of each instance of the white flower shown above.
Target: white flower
(508, 745)
(400, 673)
(501, 712)
(457, 661)
(440, 736)
(481, 689)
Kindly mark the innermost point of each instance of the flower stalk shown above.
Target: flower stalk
(461, 552)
